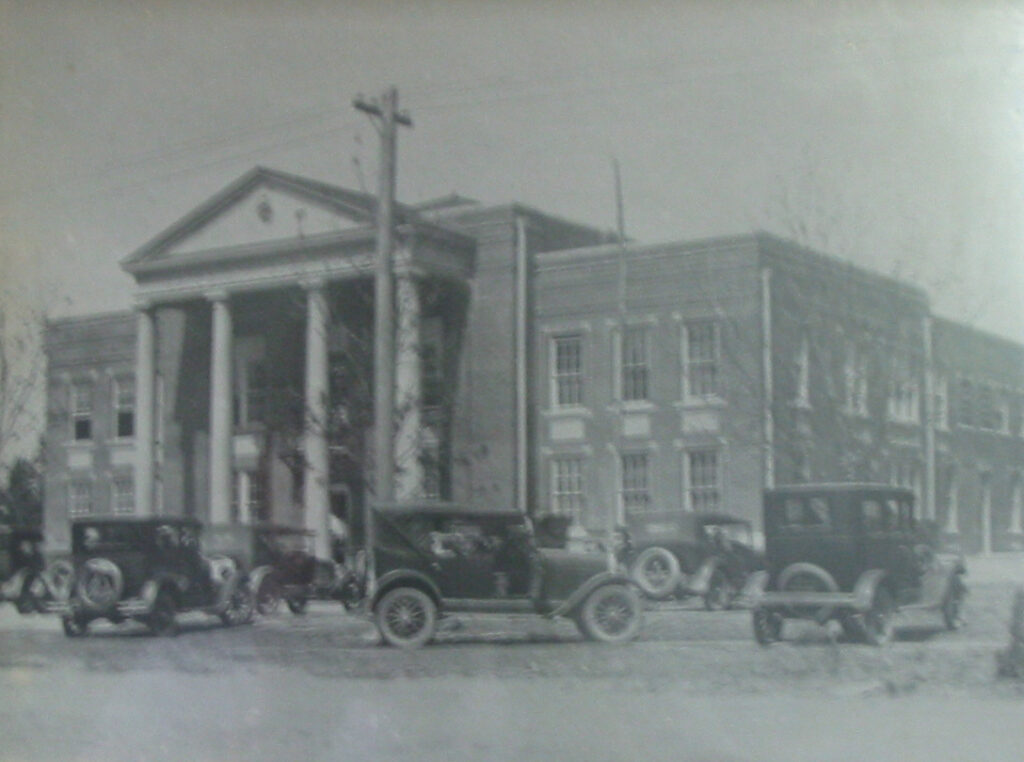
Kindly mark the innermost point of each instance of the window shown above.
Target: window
(701, 480)
(804, 515)
(855, 372)
(432, 361)
(81, 411)
(700, 359)
(635, 493)
(940, 403)
(802, 398)
(878, 516)
(906, 473)
(965, 403)
(635, 363)
(122, 496)
(567, 487)
(124, 407)
(567, 370)
(903, 391)
(251, 382)
(79, 498)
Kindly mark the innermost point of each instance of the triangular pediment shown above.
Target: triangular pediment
(262, 207)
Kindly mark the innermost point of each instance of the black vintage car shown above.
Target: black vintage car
(854, 553)
(433, 559)
(280, 563)
(710, 555)
(149, 569)
(24, 577)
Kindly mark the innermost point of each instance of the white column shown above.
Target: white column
(408, 397)
(316, 503)
(145, 386)
(220, 411)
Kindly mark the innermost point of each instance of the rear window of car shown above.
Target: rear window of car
(800, 513)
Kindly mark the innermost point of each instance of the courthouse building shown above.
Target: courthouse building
(540, 364)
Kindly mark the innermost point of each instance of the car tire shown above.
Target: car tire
(656, 572)
(721, 592)
(407, 617)
(100, 584)
(767, 625)
(611, 614)
(268, 596)
(62, 579)
(74, 625)
(161, 620)
(241, 605)
(876, 623)
(297, 604)
(953, 605)
(26, 602)
(806, 577)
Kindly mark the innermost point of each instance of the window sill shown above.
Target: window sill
(569, 411)
(80, 444)
(700, 403)
(632, 406)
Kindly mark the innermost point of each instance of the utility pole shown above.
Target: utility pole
(385, 117)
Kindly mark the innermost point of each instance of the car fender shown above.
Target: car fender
(754, 587)
(575, 600)
(864, 590)
(397, 576)
(259, 574)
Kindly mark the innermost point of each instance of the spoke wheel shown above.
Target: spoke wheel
(611, 614)
(161, 620)
(767, 626)
(656, 572)
(877, 624)
(297, 605)
(721, 592)
(241, 606)
(407, 617)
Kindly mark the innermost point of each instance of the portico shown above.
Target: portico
(273, 261)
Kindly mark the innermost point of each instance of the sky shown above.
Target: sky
(890, 134)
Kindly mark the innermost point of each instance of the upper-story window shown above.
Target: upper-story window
(567, 370)
(903, 391)
(855, 373)
(81, 411)
(636, 363)
(701, 353)
(802, 397)
(636, 491)
(965, 403)
(567, 486)
(251, 381)
(123, 397)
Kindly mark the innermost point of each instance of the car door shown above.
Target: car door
(887, 543)
(464, 553)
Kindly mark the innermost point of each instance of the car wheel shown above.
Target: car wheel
(241, 606)
(297, 604)
(61, 579)
(953, 605)
(407, 617)
(808, 578)
(26, 600)
(876, 622)
(74, 625)
(100, 584)
(767, 626)
(161, 620)
(611, 614)
(656, 572)
(721, 592)
(268, 596)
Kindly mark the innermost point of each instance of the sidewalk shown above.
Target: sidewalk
(996, 567)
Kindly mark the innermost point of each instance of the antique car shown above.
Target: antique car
(434, 559)
(25, 579)
(148, 570)
(280, 563)
(854, 553)
(710, 555)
